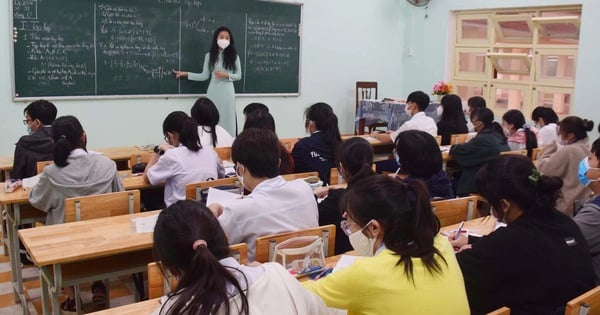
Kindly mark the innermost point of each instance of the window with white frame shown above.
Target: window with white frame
(517, 58)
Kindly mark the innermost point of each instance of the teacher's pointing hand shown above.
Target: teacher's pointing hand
(179, 74)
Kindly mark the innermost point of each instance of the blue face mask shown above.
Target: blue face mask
(584, 167)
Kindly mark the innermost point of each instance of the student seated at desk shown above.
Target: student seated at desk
(182, 160)
(546, 121)
(540, 260)
(473, 103)
(206, 114)
(37, 145)
(410, 268)
(274, 205)
(420, 157)
(317, 152)
(519, 135)
(254, 107)
(453, 119)
(192, 246)
(75, 172)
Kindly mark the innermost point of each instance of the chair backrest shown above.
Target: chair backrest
(289, 143)
(335, 177)
(458, 138)
(452, 211)
(40, 165)
(365, 90)
(515, 152)
(587, 303)
(157, 286)
(265, 245)
(536, 154)
(194, 190)
(139, 158)
(501, 311)
(438, 139)
(299, 175)
(102, 205)
(224, 153)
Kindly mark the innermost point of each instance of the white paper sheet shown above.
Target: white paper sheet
(145, 224)
(222, 197)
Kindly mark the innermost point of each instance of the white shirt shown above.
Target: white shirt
(547, 135)
(274, 206)
(180, 166)
(224, 139)
(418, 121)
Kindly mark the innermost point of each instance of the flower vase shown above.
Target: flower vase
(439, 97)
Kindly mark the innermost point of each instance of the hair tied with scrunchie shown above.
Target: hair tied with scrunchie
(535, 176)
(526, 126)
(198, 243)
(63, 136)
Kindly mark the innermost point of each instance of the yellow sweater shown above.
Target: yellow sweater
(375, 285)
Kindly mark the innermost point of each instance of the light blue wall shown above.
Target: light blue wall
(343, 41)
(428, 39)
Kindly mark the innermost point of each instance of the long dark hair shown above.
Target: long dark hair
(419, 153)
(575, 125)
(515, 178)
(326, 121)
(356, 157)
(67, 134)
(516, 118)
(486, 117)
(206, 114)
(203, 281)
(404, 212)
(453, 113)
(229, 53)
(186, 127)
(259, 119)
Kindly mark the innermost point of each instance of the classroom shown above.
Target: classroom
(403, 47)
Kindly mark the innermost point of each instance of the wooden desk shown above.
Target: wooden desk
(86, 250)
(144, 307)
(6, 164)
(481, 226)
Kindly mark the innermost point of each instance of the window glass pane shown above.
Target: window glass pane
(511, 77)
(474, 29)
(467, 91)
(473, 62)
(557, 67)
(506, 98)
(560, 13)
(560, 102)
(558, 33)
(514, 30)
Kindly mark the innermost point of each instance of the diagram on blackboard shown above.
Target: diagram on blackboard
(116, 47)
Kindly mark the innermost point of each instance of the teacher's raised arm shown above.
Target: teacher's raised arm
(222, 66)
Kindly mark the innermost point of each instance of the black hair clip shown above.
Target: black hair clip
(535, 176)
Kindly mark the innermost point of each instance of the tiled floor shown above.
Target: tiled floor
(121, 290)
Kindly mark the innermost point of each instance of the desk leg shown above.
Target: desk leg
(44, 287)
(14, 216)
(5, 233)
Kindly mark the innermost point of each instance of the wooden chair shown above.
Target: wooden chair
(587, 303)
(40, 165)
(536, 154)
(452, 211)
(157, 286)
(224, 153)
(289, 143)
(101, 206)
(438, 139)
(265, 245)
(367, 90)
(335, 177)
(139, 158)
(458, 138)
(294, 176)
(515, 152)
(501, 311)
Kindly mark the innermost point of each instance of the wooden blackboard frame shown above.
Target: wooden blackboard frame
(153, 96)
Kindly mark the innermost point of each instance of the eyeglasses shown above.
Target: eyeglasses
(27, 121)
(345, 225)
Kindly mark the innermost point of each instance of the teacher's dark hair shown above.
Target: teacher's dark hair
(203, 280)
(186, 127)
(513, 177)
(206, 114)
(404, 212)
(326, 121)
(229, 53)
(68, 135)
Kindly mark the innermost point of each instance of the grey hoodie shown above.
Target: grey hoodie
(588, 220)
(86, 174)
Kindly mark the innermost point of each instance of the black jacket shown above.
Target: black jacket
(447, 128)
(438, 184)
(535, 265)
(330, 213)
(313, 154)
(31, 149)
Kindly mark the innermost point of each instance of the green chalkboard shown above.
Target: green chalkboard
(128, 47)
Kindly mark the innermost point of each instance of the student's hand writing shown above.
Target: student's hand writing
(216, 209)
(179, 74)
(321, 192)
(464, 247)
(221, 75)
(460, 242)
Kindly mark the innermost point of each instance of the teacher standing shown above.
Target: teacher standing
(222, 65)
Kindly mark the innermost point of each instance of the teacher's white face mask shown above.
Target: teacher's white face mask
(223, 43)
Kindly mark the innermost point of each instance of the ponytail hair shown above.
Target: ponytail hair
(355, 156)
(575, 125)
(186, 127)
(404, 212)
(530, 139)
(189, 242)
(515, 178)
(516, 118)
(206, 114)
(325, 121)
(67, 134)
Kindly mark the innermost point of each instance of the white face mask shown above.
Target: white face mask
(223, 43)
(240, 178)
(29, 131)
(440, 111)
(361, 243)
(408, 111)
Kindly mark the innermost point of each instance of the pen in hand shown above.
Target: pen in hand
(460, 227)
